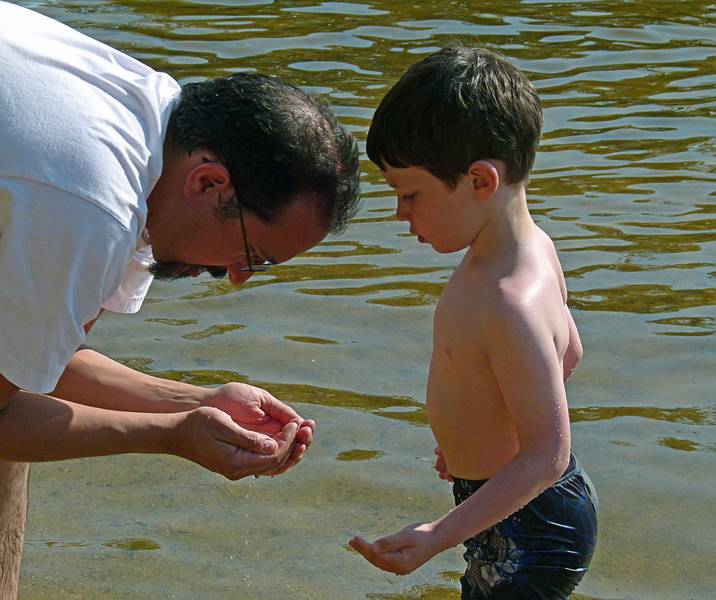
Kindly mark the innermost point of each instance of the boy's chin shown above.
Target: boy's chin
(445, 249)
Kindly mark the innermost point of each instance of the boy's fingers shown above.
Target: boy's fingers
(365, 548)
(391, 543)
(361, 546)
(387, 544)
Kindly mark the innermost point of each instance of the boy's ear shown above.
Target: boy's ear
(484, 177)
(206, 178)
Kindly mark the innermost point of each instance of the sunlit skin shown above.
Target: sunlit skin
(504, 341)
(185, 231)
(188, 238)
(101, 407)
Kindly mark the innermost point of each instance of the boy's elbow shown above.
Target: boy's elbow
(558, 460)
(548, 462)
(561, 461)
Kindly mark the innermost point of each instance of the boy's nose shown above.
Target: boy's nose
(401, 212)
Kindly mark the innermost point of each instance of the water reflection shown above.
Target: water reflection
(643, 299)
(689, 326)
(392, 407)
(345, 248)
(211, 331)
(133, 545)
(688, 416)
(359, 454)
(409, 293)
(305, 339)
(292, 274)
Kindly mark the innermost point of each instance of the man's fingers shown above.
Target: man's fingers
(278, 410)
(304, 435)
(287, 435)
(245, 439)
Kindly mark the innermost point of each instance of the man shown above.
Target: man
(111, 173)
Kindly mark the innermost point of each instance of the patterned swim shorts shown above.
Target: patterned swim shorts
(542, 551)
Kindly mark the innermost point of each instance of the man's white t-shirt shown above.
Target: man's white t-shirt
(81, 134)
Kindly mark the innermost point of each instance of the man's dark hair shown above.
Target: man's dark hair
(276, 141)
(454, 107)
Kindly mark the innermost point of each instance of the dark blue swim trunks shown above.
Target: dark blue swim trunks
(542, 551)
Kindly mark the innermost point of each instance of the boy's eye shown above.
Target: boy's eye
(408, 197)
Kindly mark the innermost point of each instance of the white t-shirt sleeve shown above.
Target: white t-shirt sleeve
(133, 288)
(61, 258)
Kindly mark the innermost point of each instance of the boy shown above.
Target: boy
(456, 138)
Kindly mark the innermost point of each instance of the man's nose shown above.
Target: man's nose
(236, 276)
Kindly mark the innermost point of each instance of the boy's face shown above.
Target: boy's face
(448, 220)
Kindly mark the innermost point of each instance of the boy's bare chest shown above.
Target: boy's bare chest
(456, 330)
(460, 369)
(465, 406)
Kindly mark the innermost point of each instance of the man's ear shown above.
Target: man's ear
(484, 177)
(208, 178)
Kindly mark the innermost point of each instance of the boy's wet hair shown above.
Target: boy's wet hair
(454, 107)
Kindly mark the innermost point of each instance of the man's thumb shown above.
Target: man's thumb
(249, 440)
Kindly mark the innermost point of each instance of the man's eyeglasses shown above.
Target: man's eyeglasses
(254, 264)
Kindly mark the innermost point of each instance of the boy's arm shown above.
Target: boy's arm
(519, 342)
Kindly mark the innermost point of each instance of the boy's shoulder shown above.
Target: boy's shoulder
(478, 301)
(486, 299)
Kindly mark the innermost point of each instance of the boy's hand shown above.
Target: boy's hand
(441, 465)
(402, 552)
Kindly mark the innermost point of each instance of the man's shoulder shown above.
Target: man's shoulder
(95, 126)
(34, 210)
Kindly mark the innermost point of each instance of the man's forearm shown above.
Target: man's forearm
(93, 379)
(34, 427)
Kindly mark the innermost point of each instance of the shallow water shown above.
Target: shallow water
(625, 185)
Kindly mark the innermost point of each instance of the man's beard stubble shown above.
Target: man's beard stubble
(168, 270)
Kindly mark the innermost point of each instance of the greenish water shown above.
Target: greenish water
(624, 183)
